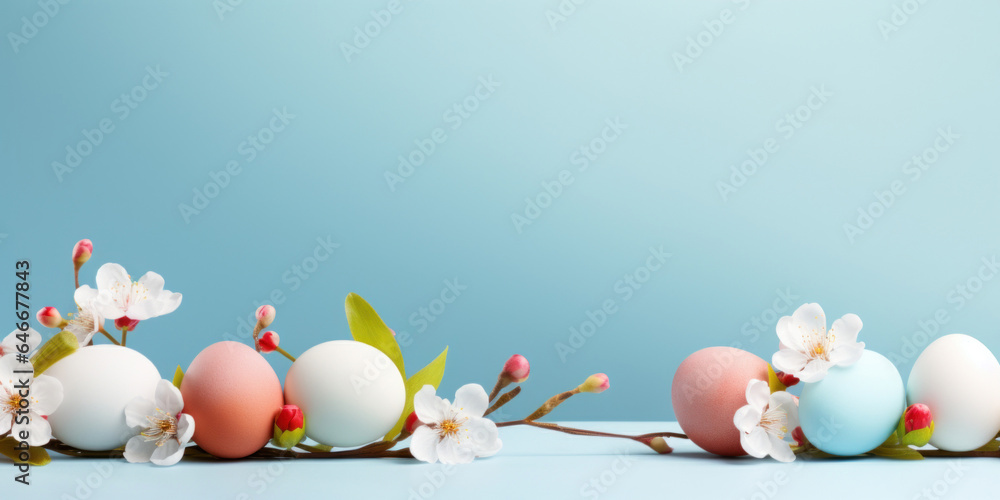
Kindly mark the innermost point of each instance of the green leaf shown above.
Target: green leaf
(991, 446)
(36, 456)
(900, 429)
(178, 377)
(428, 375)
(367, 327)
(63, 344)
(919, 437)
(897, 453)
(772, 380)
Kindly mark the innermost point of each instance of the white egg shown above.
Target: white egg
(958, 378)
(351, 393)
(98, 382)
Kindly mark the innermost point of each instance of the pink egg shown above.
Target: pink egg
(708, 388)
(233, 394)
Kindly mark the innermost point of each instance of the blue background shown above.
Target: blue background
(657, 184)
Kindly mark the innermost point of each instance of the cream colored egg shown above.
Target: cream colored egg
(98, 382)
(958, 378)
(350, 392)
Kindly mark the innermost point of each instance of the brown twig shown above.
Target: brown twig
(504, 400)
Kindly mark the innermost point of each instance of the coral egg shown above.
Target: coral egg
(708, 388)
(233, 394)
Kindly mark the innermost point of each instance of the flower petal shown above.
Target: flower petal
(423, 444)
(788, 336)
(168, 454)
(46, 394)
(138, 450)
(845, 330)
(39, 430)
(106, 305)
(451, 451)
(785, 402)
(137, 410)
(746, 418)
(471, 399)
(111, 276)
(780, 450)
(185, 428)
(755, 443)
(152, 282)
(6, 419)
(789, 361)
(168, 398)
(84, 296)
(430, 408)
(484, 436)
(168, 302)
(757, 393)
(846, 355)
(814, 371)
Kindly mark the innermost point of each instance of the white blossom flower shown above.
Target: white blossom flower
(163, 430)
(453, 433)
(87, 321)
(808, 350)
(45, 394)
(765, 421)
(118, 296)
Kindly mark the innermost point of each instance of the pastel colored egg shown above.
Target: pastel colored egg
(958, 378)
(854, 408)
(351, 393)
(708, 387)
(233, 394)
(98, 382)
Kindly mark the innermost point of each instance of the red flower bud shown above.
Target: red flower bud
(517, 369)
(412, 422)
(917, 416)
(290, 418)
(799, 436)
(50, 317)
(269, 341)
(126, 322)
(787, 379)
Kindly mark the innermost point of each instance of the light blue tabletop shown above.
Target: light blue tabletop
(534, 463)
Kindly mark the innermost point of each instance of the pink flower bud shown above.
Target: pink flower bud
(787, 379)
(82, 252)
(126, 322)
(289, 427)
(412, 422)
(265, 315)
(917, 416)
(50, 317)
(517, 369)
(269, 341)
(595, 383)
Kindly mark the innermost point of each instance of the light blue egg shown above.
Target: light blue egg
(854, 408)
